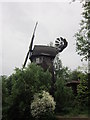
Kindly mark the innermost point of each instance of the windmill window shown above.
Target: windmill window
(39, 60)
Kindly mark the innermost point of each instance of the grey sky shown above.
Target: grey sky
(55, 19)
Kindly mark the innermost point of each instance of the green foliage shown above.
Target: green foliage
(82, 97)
(63, 96)
(75, 75)
(4, 96)
(66, 101)
(43, 106)
(63, 73)
(18, 91)
(83, 35)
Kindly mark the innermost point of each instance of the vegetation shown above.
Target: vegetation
(43, 106)
(67, 103)
(83, 35)
(82, 97)
(20, 88)
(83, 41)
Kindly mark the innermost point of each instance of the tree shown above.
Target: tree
(60, 70)
(63, 94)
(75, 75)
(83, 35)
(83, 39)
(82, 90)
(57, 63)
(18, 91)
(4, 96)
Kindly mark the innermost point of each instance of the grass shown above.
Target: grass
(74, 113)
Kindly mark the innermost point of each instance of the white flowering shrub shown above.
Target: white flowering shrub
(43, 106)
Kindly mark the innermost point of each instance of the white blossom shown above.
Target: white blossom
(43, 103)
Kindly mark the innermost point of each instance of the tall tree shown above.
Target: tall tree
(18, 90)
(83, 38)
(83, 35)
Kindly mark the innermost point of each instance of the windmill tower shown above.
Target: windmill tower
(44, 55)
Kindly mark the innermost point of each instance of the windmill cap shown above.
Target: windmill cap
(41, 50)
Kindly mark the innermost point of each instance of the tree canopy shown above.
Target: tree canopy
(18, 90)
(83, 35)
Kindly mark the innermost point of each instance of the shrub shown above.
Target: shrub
(43, 106)
(18, 90)
(63, 96)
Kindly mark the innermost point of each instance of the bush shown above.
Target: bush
(63, 96)
(43, 106)
(83, 93)
(18, 90)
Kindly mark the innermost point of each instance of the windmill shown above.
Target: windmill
(44, 55)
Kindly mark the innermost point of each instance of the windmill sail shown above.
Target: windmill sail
(30, 47)
(60, 44)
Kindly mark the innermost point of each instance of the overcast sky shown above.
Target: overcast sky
(55, 19)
